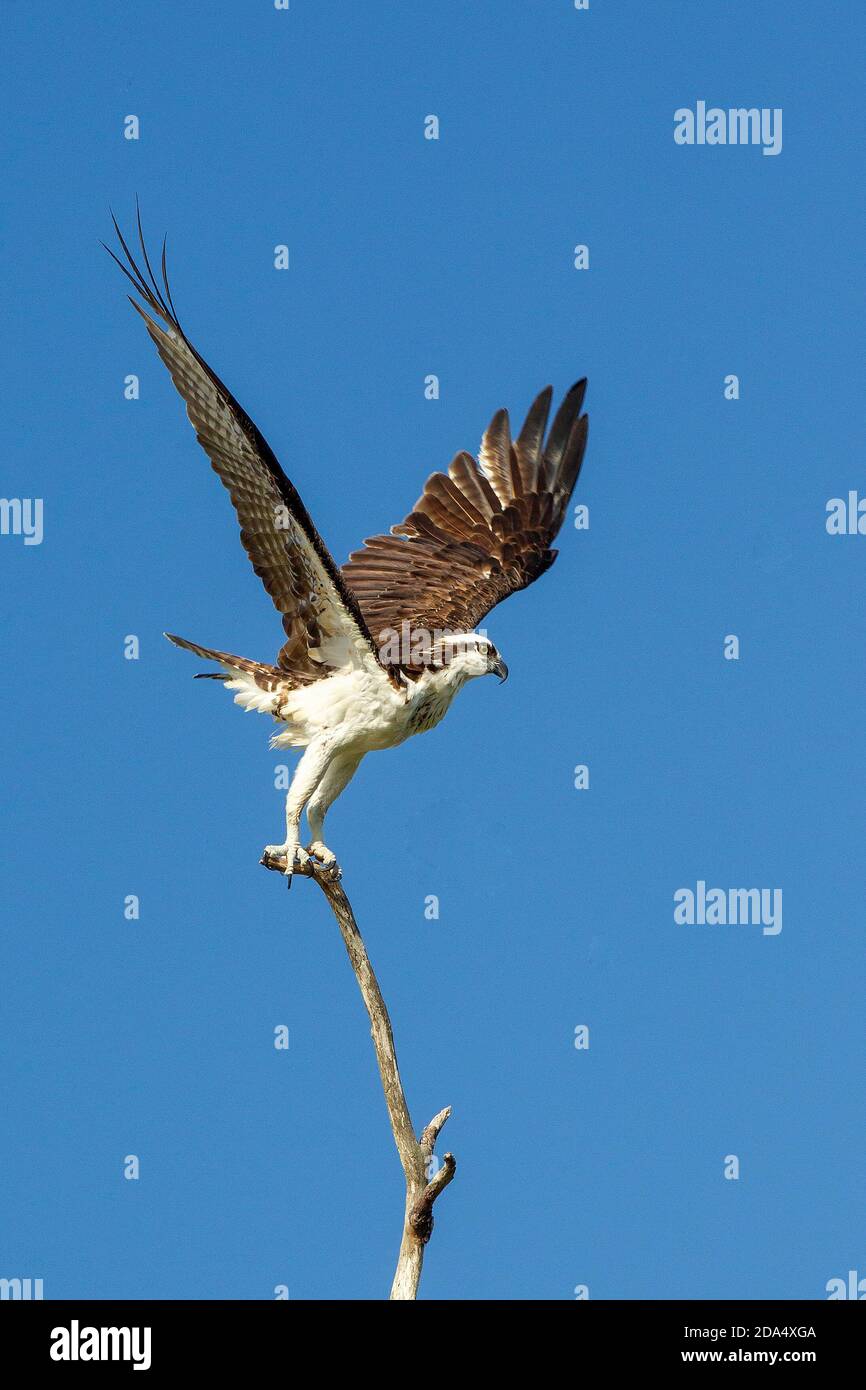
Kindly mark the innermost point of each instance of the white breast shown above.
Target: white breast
(358, 708)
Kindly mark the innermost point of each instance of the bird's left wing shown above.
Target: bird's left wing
(323, 622)
(477, 533)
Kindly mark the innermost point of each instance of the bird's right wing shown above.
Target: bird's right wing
(324, 626)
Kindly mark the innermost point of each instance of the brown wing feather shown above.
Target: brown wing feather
(321, 616)
(479, 533)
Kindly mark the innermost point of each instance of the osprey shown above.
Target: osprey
(377, 649)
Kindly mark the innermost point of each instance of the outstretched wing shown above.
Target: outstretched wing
(478, 533)
(323, 623)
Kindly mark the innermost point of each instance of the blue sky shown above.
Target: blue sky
(605, 1166)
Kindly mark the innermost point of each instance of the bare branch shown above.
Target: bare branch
(414, 1155)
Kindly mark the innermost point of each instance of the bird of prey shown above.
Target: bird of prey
(377, 649)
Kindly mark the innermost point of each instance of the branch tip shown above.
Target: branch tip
(431, 1133)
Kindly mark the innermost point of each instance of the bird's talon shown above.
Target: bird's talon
(328, 860)
(299, 860)
(296, 858)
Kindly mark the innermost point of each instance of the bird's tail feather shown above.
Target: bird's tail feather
(267, 678)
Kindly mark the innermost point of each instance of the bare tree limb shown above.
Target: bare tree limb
(422, 1189)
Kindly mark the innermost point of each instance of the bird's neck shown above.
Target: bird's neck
(428, 701)
(451, 678)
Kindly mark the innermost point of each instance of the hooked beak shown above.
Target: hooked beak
(499, 669)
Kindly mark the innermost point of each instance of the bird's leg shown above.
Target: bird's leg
(335, 779)
(308, 774)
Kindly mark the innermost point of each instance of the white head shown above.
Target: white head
(469, 654)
